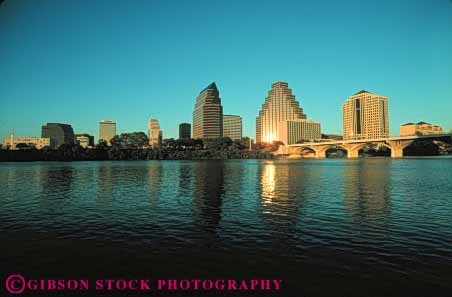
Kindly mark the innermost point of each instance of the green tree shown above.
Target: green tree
(103, 145)
(130, 140)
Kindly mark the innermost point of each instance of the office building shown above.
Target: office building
(184, 131)
(107, 130)
(85, 140)
(232, 127)
(58, 133)
(365, 116)
(420, 128)
(154, 133)
(208, 114)
(280, 105)
(298, 131)
(12, 141)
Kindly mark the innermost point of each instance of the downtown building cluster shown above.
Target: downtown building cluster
(365, 115)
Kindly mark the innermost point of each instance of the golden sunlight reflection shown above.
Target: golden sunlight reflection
(268, 183)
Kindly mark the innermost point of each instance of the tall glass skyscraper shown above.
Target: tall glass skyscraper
(208, 114)
(279, 106)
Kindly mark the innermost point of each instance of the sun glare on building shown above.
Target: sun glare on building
(269, 138)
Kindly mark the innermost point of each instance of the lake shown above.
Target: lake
(331, 227)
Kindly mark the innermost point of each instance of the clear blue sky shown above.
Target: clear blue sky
(79, 62)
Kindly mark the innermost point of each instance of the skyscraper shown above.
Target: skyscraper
(208, 114)
(184, 131)
(232, 127)
(58, 133)
(365, 116)
(280, 105)
(154, 132)
(107, 130)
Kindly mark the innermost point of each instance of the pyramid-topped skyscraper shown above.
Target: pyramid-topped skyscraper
(208, 114)
(279, 106)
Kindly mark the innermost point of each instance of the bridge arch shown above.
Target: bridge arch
(354, 148)
(300, 149)
(338, 147)
(318, 150)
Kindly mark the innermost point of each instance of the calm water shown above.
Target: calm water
(333, 227)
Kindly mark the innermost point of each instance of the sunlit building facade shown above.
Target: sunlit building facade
(208, 114)
(365, 116)
(420, 128)
(297, 131)
(154, 133)
(12, 141)
(85, 140)
(107, 130)
(232, 127)
(279, 106)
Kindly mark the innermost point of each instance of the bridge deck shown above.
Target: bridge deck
(371, 140)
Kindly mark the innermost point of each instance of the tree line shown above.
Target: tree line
(135, 146)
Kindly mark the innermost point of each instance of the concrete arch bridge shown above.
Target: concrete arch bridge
(352, 147)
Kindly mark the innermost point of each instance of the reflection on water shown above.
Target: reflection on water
(391, 215)
(50, 177)
(155, 175)
(268, 182)
(185, 179)
(367, 188)
(208, 196)
(105, 183)
(280, 195)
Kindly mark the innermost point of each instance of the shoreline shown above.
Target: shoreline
(235, 159)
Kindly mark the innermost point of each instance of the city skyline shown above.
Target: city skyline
(264, 137)
(130, 70)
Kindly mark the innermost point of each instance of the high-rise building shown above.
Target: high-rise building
(184, 131)
(58, 133)
(365, 116)
(12, 141)
(85, 140)
(208, 114)
(420, 128)
(280, 105)
(154, 132)
(296, 131)
(232, 127)
(107, 130)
